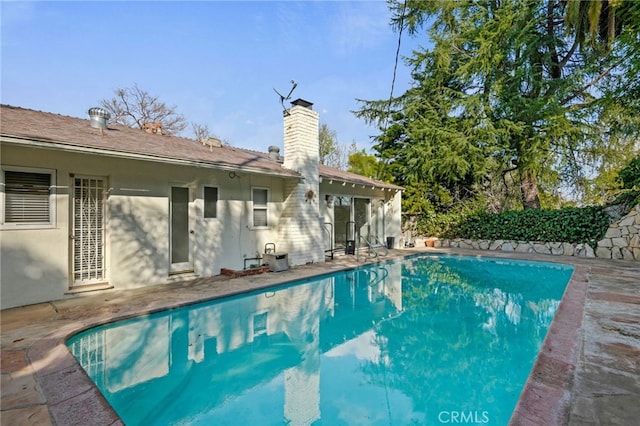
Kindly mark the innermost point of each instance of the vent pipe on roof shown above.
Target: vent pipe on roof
(98, 118)
(274, 153)
(212, 142)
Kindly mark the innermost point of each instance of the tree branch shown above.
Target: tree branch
(584, 88)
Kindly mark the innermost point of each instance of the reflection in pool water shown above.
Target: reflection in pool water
(424, 340)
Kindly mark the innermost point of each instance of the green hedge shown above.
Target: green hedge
(438, 224)
(571, 224)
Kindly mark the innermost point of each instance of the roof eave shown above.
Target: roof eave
(364, 185)
(59, 146)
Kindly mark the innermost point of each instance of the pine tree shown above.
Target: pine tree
(507, 89)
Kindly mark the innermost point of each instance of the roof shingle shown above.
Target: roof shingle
(44, 127)
(60, 131)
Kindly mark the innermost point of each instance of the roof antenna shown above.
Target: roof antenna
(286, 98)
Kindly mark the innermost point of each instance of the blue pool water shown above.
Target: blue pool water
(424, 340)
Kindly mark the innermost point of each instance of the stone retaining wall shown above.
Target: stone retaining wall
(622, 241)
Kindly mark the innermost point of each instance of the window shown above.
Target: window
(210, 202)
(27, 197)
(260, 197)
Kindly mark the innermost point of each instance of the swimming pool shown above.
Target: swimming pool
(423, 340)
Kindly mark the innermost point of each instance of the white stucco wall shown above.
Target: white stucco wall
(393, 214)
(36, 262)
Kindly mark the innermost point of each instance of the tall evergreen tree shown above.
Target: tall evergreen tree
(508, 88)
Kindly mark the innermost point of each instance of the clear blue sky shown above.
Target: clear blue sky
(217, 61)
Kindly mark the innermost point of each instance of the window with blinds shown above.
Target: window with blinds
(27, 197)
(260, 197)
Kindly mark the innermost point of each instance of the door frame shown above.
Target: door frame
(73, 241)
(188, 265)
(368, 210)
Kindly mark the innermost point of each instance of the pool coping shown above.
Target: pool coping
(546, 396)
(58, 391)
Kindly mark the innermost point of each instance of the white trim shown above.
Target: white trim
(188, 266)
(204, 203)
(265, 208)
(52, 198)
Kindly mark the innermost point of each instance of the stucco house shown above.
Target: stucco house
(86, 208)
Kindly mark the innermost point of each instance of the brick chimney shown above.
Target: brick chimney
(301, 140)
(301, 230)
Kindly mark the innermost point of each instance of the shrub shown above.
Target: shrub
(629, 196)
(571, 224)
(437, 225)
(630, 175)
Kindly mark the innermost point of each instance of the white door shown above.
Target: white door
(87, 231)
(181, 231)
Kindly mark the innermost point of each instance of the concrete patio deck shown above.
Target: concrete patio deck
(587, 372)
